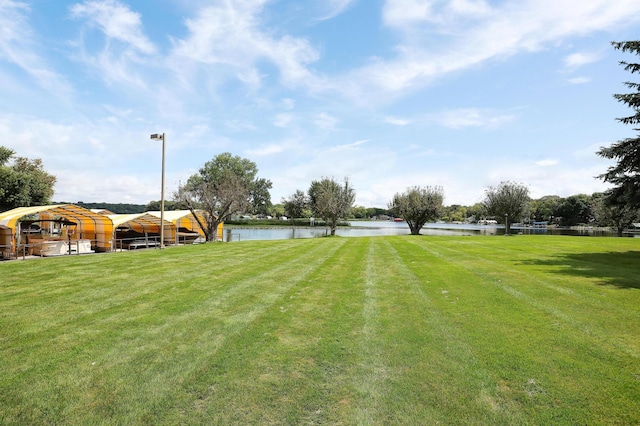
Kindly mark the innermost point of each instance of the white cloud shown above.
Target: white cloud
(398, 13)
(588, 153)
(333, 8)
(482, 34)
(576, 60)
(408, 14)
(325, 121)
(116, 189)
(350, 145)
(282, 120)
(357, 161)
(230, 34)
(267, 150)
(470, 117)
(578, 80)
(92, 161)
(547, 162)
(476, 8)
(251, 77)
(576, 178)
(240, 125)
(288, 103)
(18, 46)
(397, 121)
(116, 21)
(126, 47)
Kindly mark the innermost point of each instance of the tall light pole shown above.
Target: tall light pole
(506, 224)
(157, 137)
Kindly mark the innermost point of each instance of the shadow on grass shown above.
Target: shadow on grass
(619, 269)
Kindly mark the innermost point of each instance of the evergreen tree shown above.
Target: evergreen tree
(626, 173)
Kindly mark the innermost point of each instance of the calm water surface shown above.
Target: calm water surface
(380, 228)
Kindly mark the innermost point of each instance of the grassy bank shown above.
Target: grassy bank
(381, 330)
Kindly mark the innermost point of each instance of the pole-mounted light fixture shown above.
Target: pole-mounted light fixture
(157, 137)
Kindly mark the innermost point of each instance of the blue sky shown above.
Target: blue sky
(389, 93)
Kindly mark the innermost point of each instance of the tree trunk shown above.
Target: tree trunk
(413, 227)
(333, 223)
(212, 234)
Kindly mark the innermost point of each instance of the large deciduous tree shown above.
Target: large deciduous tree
(618, 216)
(23, 182)
(625, 175)
(508, 201)
(260, 197)
(417, 206)
(295, 205)
(223, 186)
(574, 210)
(331, 200)
(544, 208)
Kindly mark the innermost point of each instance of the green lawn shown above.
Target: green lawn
(383, 330)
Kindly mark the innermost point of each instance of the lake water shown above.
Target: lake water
(381, 228)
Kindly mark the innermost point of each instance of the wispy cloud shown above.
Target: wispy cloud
(266, 150)
(578, 80)
(125, 44)
(117, 21)
(470, 117)
(550, 181)
(288, 103)
(547, 162)
(325, 121)
(231, 34)
(19, 46)
(576, 60)
(282, 120)
(352, 145)
(333, 8)
(405, 14)
(397, 121)
(440, 37)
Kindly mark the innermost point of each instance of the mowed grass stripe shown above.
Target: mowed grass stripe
(586, 308)
(150, 285)
(20, 283)
(381, 330)
(117, 279)
(149, 340)
(496, 326)
(543, 354)
(441, 374)
(292, 366)
(371, 372)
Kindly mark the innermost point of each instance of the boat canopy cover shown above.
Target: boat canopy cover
(89, 225)
(185, 219)
(143, 223)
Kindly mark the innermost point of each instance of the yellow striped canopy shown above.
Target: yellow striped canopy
(185, 219)
(144, 223)
(89, 225)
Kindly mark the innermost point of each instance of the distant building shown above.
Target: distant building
(542, 224)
